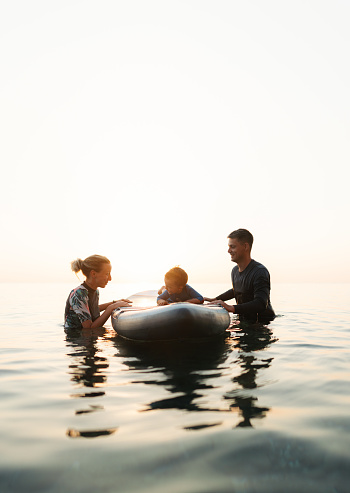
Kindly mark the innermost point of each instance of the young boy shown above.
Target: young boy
(176, 289)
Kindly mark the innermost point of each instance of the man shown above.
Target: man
(250, 282)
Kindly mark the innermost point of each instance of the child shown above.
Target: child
(176, 289)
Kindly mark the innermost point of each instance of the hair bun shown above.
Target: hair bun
(77, 265)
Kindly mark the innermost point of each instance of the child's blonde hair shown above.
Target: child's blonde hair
(177, 275)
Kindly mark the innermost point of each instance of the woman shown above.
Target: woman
(82, 308)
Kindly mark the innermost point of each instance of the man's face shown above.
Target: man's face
(237, 250)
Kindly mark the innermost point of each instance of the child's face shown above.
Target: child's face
(172, 287)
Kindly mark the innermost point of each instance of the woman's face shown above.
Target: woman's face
(102, 277)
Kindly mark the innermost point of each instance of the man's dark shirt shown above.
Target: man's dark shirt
(251, 289)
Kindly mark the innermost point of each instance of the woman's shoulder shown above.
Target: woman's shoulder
(79, 291)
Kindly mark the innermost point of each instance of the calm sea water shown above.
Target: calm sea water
(259, 411)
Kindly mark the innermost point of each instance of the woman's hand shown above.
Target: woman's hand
(107, 312)
(120, 303)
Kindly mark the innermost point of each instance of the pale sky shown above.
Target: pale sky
(148, 130)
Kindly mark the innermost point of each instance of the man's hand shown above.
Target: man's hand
(209, 299)
(229, 308)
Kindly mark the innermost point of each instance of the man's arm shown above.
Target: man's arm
(261, 293)
(227, 295)
(229, 308)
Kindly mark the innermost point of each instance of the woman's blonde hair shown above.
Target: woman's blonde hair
(94, 262)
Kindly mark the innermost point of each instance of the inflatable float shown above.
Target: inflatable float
(178, 321)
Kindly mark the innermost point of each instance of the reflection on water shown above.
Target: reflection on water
(87, 370)
(189, 368)
(87, 367)
(187, 372)
(248, 341)
(180, 365)
(89, 434)
(83, 412)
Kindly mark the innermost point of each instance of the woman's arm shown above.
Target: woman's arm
(106, 305)
(89, 324)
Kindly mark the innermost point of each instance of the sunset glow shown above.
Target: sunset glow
(147, 131)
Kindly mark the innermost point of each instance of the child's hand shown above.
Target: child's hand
(162, 302)
(160, 291)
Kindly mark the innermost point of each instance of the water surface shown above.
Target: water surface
(262, 410)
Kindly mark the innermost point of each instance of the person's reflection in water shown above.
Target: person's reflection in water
(248, 340)
(87, 370)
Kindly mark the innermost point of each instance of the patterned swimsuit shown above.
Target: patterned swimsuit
(81, 305)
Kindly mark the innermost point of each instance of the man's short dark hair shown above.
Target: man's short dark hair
(243, 236)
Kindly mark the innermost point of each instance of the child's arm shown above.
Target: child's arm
(195, 301)
(162, 298)
(162, 302)
(195, 297)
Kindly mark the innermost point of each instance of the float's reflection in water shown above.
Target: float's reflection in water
(191, 371)
(179, 367)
